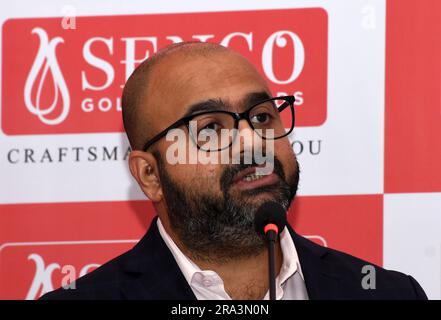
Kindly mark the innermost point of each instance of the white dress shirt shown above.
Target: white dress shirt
(208, 285)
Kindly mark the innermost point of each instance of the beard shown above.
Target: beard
(221, 228)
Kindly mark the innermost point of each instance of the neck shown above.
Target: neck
(244, 278)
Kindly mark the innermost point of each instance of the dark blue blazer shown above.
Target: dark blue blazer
(149, 271)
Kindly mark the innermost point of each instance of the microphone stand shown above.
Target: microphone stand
(272, 237)
(271, 219)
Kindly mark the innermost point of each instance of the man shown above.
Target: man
(203, 244)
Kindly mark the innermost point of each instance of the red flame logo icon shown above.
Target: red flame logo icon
(45, 65)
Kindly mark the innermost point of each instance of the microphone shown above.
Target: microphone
(269, 221)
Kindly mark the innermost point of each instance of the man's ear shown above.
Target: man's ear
(144, 169)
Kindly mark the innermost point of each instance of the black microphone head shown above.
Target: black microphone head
(270, 212)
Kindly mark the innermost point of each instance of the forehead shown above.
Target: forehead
(182, 80)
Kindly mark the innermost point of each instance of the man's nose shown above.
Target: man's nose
(247, 139)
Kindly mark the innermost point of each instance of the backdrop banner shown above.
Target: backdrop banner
(366, 75)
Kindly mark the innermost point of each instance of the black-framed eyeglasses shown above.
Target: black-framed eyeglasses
(215, 130)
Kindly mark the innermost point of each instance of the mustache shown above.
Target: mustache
(230, 172)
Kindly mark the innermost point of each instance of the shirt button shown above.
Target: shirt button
(207, 282)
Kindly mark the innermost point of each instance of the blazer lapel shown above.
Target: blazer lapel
(154, 273)
(321, 280)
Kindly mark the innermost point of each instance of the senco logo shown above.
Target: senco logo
(57, 80)
(45, 62)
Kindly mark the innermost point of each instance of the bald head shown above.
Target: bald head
(138, 118)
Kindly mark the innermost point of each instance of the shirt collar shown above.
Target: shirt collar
(290, 262)
(188, 267)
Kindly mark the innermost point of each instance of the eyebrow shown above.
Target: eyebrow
(219, 104)
(254, 98)
(207, 105)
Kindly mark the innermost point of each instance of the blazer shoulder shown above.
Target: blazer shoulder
(375, 281)
(147, 271)
(102, 283)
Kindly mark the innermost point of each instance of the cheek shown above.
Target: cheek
(208, 175)
(284, 152)
(201, 172)
(196, 176)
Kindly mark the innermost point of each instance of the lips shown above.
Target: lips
(249, 178)
(242, 174)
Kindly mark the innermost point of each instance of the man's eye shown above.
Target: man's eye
(260, 118)
(212, 126)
